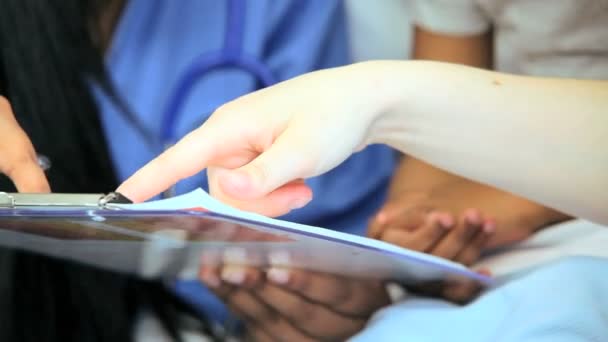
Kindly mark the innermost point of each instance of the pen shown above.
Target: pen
(43, 161)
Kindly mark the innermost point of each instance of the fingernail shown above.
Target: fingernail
(381, 218)
(235, 256)
(233, 275)
(299, 203)
(485, 272)
(446, 220)
(489, 226)
(209, 278)
(279, 258)
(472, 216)
(278, 275)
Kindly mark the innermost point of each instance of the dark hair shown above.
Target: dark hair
(49, 58)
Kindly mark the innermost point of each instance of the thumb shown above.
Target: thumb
(279, 165)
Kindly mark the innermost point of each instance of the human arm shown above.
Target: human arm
(418, 188)
(530, 122)
(483, 125)
(472, 49)
(445, 32)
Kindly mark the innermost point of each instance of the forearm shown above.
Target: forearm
(544, 139)
(516, 217)
(415, 175)
(475, 50)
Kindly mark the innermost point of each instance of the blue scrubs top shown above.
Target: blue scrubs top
(156, 40)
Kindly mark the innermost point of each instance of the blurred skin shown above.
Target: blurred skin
(294, 305)
(17, 156)
(421, 227)
(280, 303)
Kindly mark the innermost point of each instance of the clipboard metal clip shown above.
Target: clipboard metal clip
(93, 201)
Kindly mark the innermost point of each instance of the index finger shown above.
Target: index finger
(406, 218)
(189, 156)
(17, 157)
(349, 296)
(27, 176)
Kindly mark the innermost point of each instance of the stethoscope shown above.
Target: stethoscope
(230, 56)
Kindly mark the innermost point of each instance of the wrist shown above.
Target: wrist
(380, 86)
(395, 85)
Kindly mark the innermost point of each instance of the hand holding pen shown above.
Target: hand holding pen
(18, 160)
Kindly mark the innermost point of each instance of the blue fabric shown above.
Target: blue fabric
(562, 301)
(155, 42)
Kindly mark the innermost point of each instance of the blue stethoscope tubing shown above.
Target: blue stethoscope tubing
(231, 56)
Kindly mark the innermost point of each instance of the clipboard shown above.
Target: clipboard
(53, 200)
(171, 238)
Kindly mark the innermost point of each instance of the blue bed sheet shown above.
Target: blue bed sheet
(566, 300)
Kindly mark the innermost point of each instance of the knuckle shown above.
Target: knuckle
(305, 314)
(299, 282)
(258, 171)
(225, 109)
(435, 231)
(396, 237)
(465, 232)
(253, 280)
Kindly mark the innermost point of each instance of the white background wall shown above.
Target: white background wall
(380, 29)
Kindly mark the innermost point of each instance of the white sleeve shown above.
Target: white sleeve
(458, 17)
